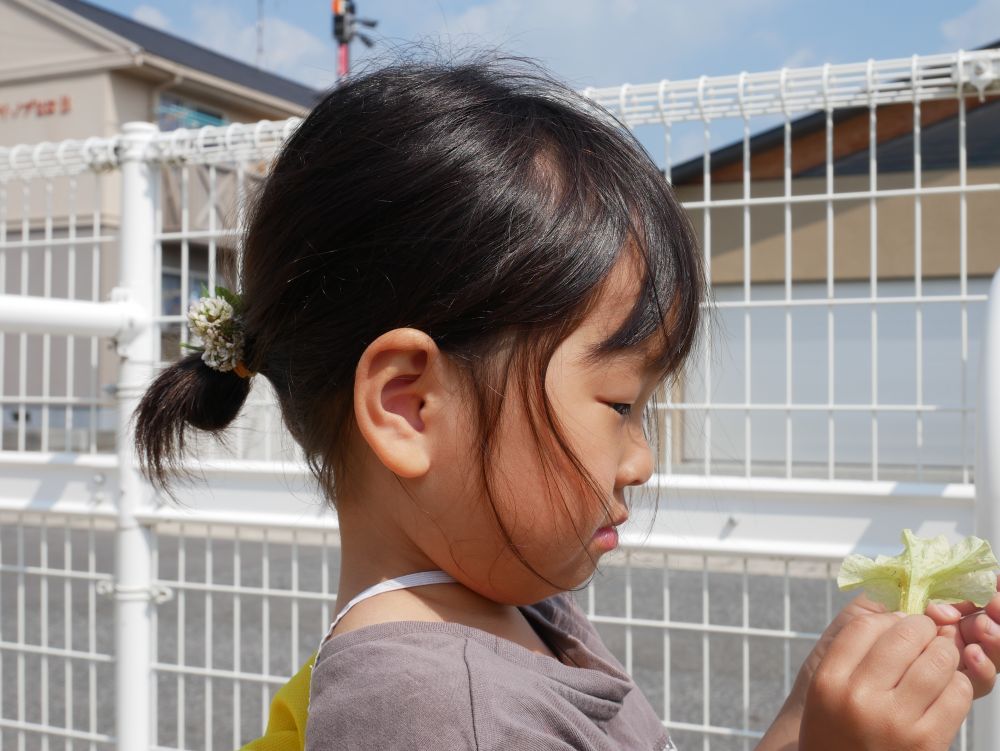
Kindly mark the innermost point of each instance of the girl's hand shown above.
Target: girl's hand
(857, 607)
(973, 633)
(886, 683)
(976, 632)
(783, 734)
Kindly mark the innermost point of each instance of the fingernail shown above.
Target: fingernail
(900, 613)
(950, 611)
(977, 653)
(990, 627)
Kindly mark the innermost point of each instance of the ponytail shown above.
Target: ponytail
(185, 393)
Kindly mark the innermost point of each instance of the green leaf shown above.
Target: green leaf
(192, 346)
(928, 569)
(226, 295)
(230, 297)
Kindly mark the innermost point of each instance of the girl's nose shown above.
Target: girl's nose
(636, 466)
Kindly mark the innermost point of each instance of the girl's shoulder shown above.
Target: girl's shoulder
(382, 690)
(447, 685)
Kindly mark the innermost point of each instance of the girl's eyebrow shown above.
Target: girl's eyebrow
(646, 360)
(648, 357)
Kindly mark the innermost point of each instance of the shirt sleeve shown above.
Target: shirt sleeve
(404, 692)
(286, 724)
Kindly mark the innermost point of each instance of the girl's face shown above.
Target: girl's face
(552, 523)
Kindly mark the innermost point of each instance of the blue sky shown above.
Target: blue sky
(587, 42)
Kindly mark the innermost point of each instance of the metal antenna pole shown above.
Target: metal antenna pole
(260, 32)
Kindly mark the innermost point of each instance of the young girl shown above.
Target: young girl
(465, 284)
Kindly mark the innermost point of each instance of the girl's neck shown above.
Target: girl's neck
(372, 554)
(447, 602)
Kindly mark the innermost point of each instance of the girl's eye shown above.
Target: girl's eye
(621, 408)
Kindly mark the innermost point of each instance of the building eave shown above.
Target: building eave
(71, 67)
(162, 68)
(122, 54)
(237, 94)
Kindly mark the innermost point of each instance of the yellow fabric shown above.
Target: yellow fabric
(286, 723)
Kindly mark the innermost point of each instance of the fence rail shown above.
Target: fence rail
(788, 91)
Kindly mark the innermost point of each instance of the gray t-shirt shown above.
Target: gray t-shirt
(451, 687)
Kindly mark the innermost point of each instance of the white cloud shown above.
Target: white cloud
(967, 29)
(289, 50)
(603, 42)
(151, 16)
(799, 58)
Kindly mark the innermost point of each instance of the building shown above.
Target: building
(919, 235)
(939, 157)
(69, 69)
(72, 70)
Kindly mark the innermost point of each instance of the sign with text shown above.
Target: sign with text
(61, 105)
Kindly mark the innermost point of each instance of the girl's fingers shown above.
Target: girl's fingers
(861, 605)
(979, 669)
(852, 644)
(945, 716)
(981, 629)
(895, 650)
(928, 675)
(945, 614)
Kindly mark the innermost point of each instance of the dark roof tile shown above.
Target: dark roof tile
(895, 159)
(194, 56)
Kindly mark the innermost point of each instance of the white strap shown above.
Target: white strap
(402, 582)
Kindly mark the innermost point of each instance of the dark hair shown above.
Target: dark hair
(481, 202)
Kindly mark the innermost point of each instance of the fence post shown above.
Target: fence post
(986, 714)
(133, 591)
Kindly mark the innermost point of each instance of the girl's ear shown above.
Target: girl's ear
(396, 391)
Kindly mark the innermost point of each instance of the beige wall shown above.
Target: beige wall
(940, 230)
(28, 35)
(80, 106)
(79, 196)
(49, 87)
(130, 98)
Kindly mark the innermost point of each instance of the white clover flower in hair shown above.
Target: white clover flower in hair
(215, 321)
(207, 314)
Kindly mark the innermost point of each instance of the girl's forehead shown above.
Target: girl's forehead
(612, 308)
(617, 298)
(601, 322)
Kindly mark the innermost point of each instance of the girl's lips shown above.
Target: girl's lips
(607, 537)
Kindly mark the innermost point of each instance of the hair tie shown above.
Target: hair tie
(217, 321)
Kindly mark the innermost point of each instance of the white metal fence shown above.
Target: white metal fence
(833, 405)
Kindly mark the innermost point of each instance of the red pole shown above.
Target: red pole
(343, 60)
(343, 53)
